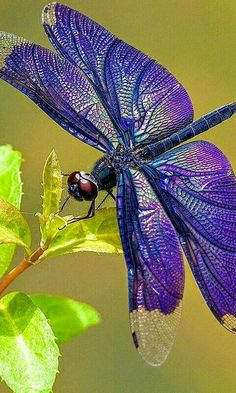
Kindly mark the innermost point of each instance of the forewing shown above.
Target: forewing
(145, 99)
(59, 88)
(199, 186)
(155, 267)
(79, 39)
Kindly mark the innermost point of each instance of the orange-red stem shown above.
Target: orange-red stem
(19, 269)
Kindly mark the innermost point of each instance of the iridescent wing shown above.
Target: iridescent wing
(146, 100)
(60, 89)
(155, 267)
(198, 189)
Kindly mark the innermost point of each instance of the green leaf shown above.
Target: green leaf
(52, 188)
(98, 234)
(13, 227)
(67, 317)
(28, 352)
(11, 185)
(49, 228)
(8, 237)
(10, 191)
(52, 185)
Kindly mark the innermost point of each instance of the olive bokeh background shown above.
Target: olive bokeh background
(195, 40)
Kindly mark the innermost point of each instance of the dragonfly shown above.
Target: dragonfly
(170, 198)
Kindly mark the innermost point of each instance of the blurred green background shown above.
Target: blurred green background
(196, 41)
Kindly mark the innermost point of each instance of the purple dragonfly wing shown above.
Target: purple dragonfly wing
(199, 190)
(60, 89)
(155, 267)
(145, 99)
(79, 39)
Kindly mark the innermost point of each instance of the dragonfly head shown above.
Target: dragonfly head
(82, 186)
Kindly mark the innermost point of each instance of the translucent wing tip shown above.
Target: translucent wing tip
(8, 42)
(154, 333)
(229, 322)
(49, 14)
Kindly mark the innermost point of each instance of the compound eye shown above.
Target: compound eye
(88, 188)
(74, 178)
(81, 186)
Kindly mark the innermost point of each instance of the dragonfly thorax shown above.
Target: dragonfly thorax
(106, 169)
(104, 174)
(122, 157)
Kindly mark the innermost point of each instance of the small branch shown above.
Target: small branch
(36, 255)
(19, 269)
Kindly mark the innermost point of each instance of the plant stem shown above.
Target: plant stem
(19, 269)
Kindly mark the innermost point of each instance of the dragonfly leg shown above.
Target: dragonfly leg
(112, 195)
(91, 211)
(63, 205)
(90, 214)
(109, 193)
